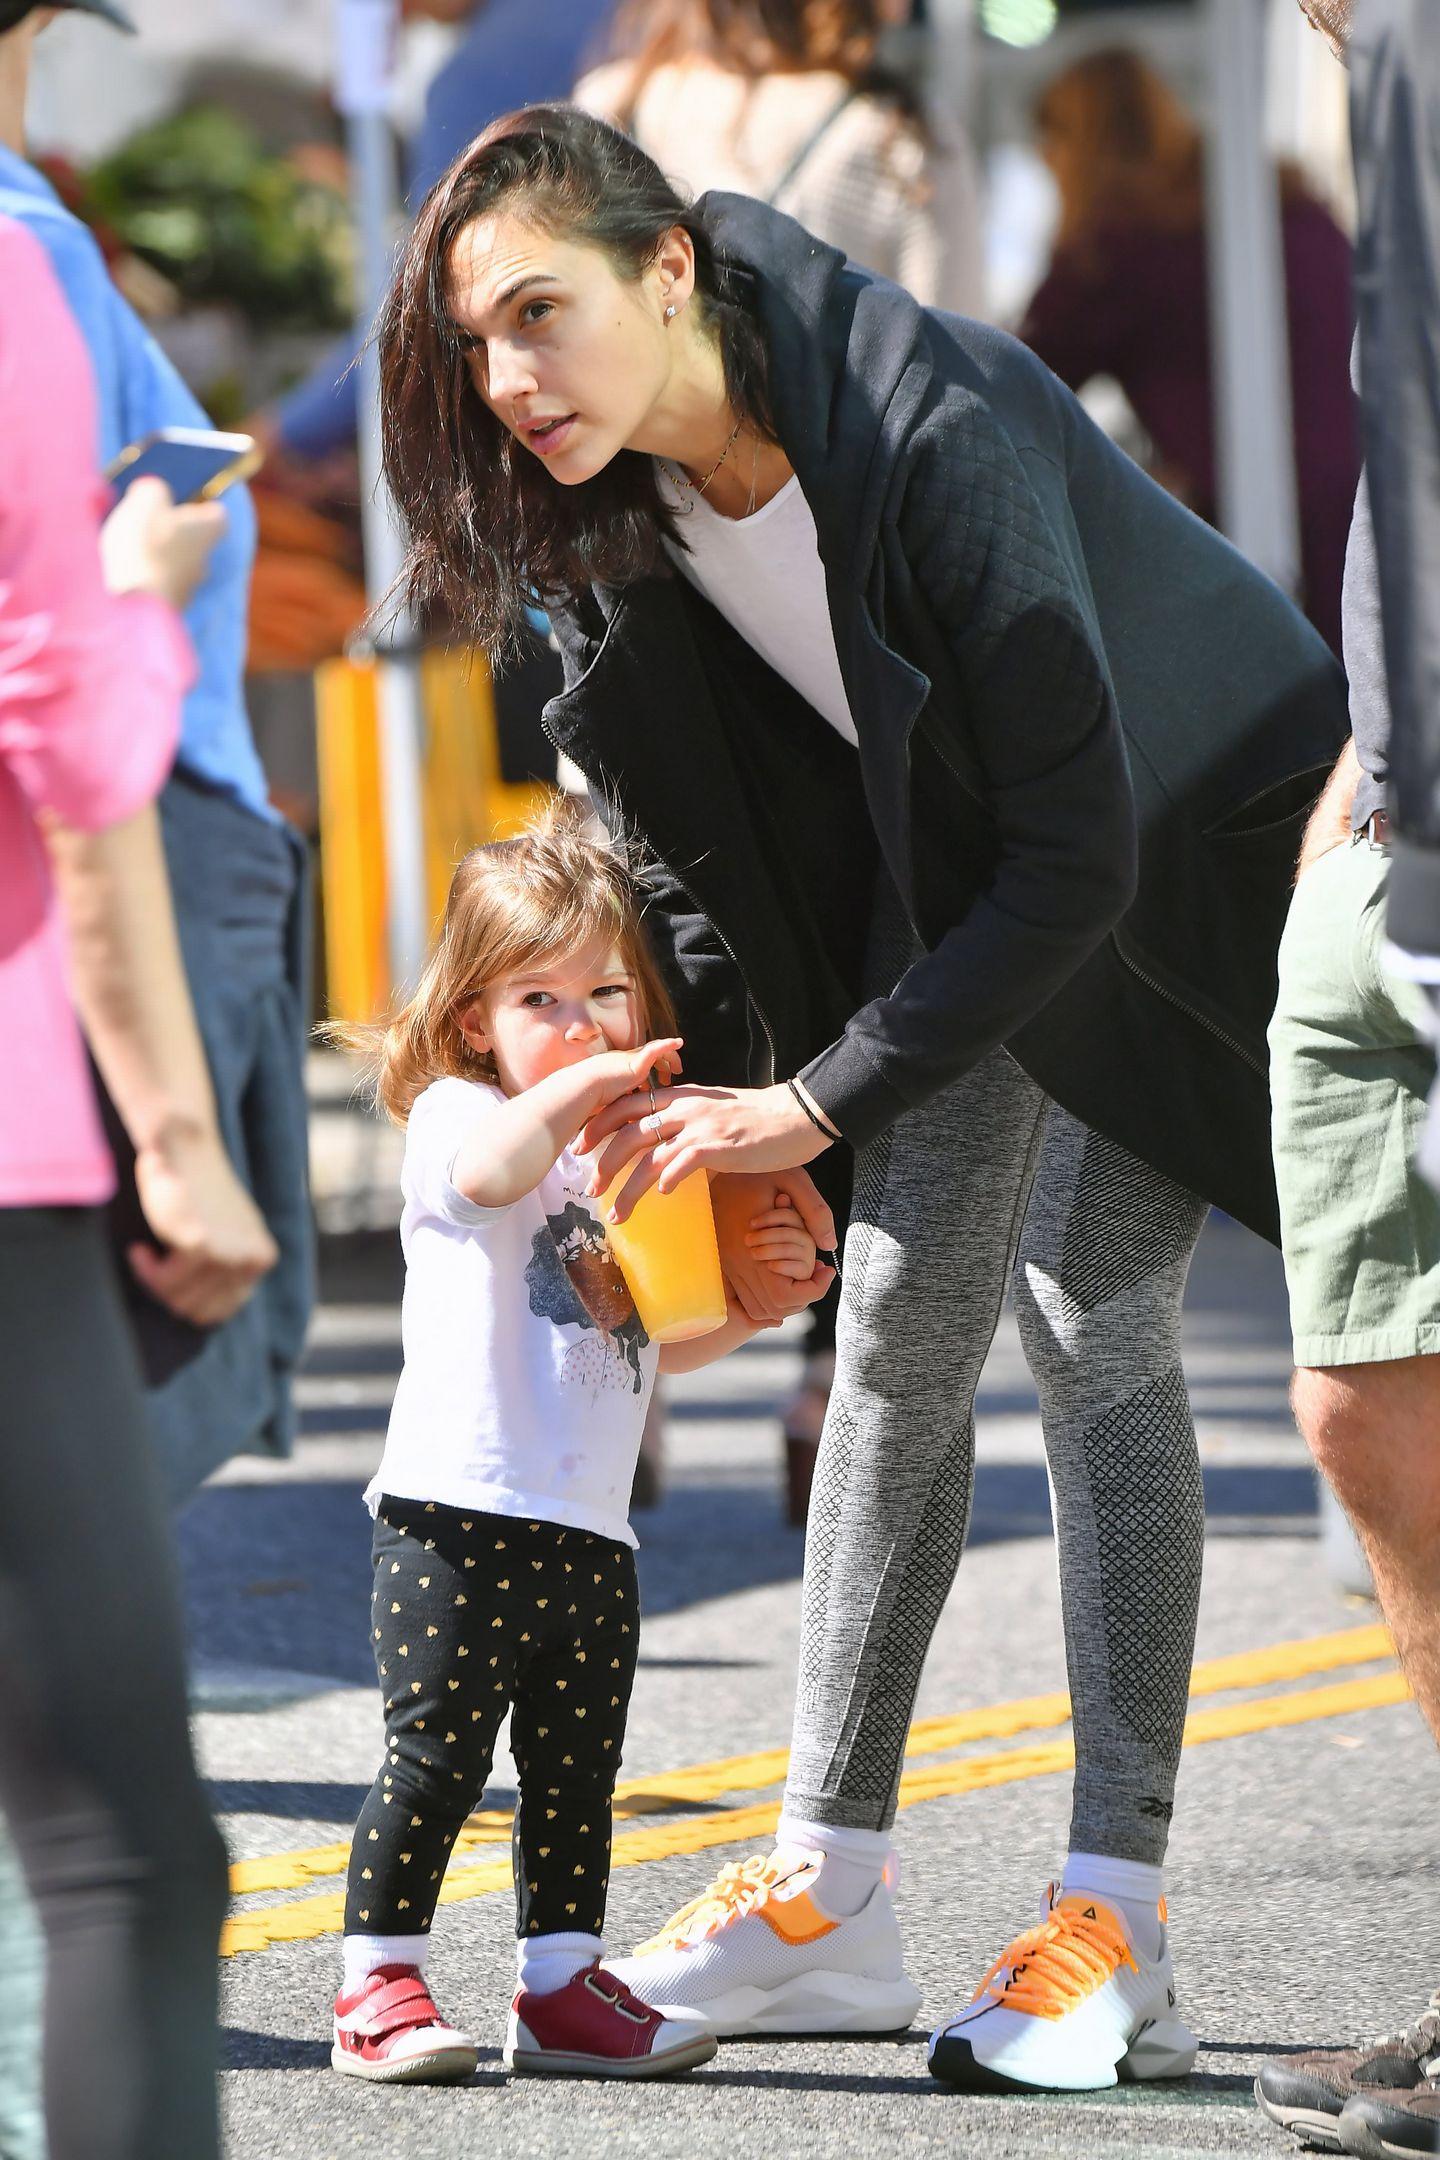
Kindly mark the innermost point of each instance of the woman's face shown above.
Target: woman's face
(571, 357)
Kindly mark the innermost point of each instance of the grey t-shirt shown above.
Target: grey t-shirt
(1365, 662)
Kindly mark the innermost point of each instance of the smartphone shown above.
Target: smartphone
(196, 464)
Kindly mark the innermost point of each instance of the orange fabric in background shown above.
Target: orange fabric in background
(305, 600)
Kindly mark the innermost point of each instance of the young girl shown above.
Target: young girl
(504, 1562)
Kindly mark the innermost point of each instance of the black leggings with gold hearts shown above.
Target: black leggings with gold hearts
(474, 1614)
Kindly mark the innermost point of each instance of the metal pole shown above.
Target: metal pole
(1254, 433)
(367, 31)
(952, 41)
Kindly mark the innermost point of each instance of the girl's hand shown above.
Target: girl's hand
(767, 1298)
(617, 1073)
(780, 1239)
(697, 1129)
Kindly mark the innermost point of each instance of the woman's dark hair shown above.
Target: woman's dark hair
(489, 530)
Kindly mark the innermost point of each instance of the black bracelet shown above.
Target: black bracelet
(818, 1122)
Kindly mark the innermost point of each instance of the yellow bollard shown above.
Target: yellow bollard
(465, 802)
(352, 839)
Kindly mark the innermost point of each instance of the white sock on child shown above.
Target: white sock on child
(544, 1963)
(852, 1862)
(366, 1953)
(1132, 1886)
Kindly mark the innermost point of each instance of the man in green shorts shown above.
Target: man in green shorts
(1352, 1059)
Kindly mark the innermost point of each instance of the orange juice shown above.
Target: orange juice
(668, 1255)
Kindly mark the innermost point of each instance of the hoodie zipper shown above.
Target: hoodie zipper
(1191, 1012)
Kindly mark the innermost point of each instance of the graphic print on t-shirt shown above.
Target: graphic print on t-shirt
(574, 1280)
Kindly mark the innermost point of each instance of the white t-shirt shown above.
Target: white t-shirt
(764, 574)
(527, 1372)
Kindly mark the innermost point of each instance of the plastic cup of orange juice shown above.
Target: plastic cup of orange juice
(668, 1254)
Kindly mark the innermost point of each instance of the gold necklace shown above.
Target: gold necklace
(698, 487)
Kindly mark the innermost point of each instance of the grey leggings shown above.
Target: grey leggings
(1100, 1256)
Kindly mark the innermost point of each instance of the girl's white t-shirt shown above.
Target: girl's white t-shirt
(764, 574)
(527, 1372)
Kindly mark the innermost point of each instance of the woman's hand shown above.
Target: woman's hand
(216, 1244)
(695, 1128)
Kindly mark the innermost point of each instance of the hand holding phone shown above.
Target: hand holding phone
(150, 543)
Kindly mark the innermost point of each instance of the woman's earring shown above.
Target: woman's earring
(670, 311)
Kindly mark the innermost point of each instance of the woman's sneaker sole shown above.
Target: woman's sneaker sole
(1161, 2050)
(550, 2062)
(443, 2066)
(813, 2004)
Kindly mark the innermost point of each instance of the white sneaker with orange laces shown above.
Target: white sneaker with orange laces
(755, 1954)
(1072, 2005)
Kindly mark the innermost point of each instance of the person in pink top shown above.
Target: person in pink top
(97, 1779)
(80, 738)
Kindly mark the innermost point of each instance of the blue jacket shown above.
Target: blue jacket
(139, 391)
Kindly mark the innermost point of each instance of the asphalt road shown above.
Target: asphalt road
(1303, 1858)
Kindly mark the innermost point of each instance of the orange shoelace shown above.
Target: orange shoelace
(1056, 1966)
(741, 1888)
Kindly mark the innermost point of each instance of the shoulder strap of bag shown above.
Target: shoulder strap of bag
(810, 145)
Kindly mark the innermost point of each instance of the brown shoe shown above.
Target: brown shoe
(1305, 2094)
(1379, 2126)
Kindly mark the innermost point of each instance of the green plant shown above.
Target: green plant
(198, 196)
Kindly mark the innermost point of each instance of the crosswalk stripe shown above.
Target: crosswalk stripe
(698, 1783)
(310, 1918)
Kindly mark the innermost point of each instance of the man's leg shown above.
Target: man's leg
(1374, 1431)
(1350, 1071)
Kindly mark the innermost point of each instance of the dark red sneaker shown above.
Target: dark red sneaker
(388, 2029)
(595, 2027)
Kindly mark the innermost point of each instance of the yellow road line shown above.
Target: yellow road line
(310, 1918)
(703, 1782)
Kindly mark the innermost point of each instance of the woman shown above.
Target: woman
(889, 656)
(785, 101)
(1127, 295)
(96, 1777)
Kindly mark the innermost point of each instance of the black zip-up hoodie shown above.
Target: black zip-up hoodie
(1089, 734)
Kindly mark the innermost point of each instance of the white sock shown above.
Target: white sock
(1132, 1886)
(852, 1862)
(544, 1963)
(366, 1953)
